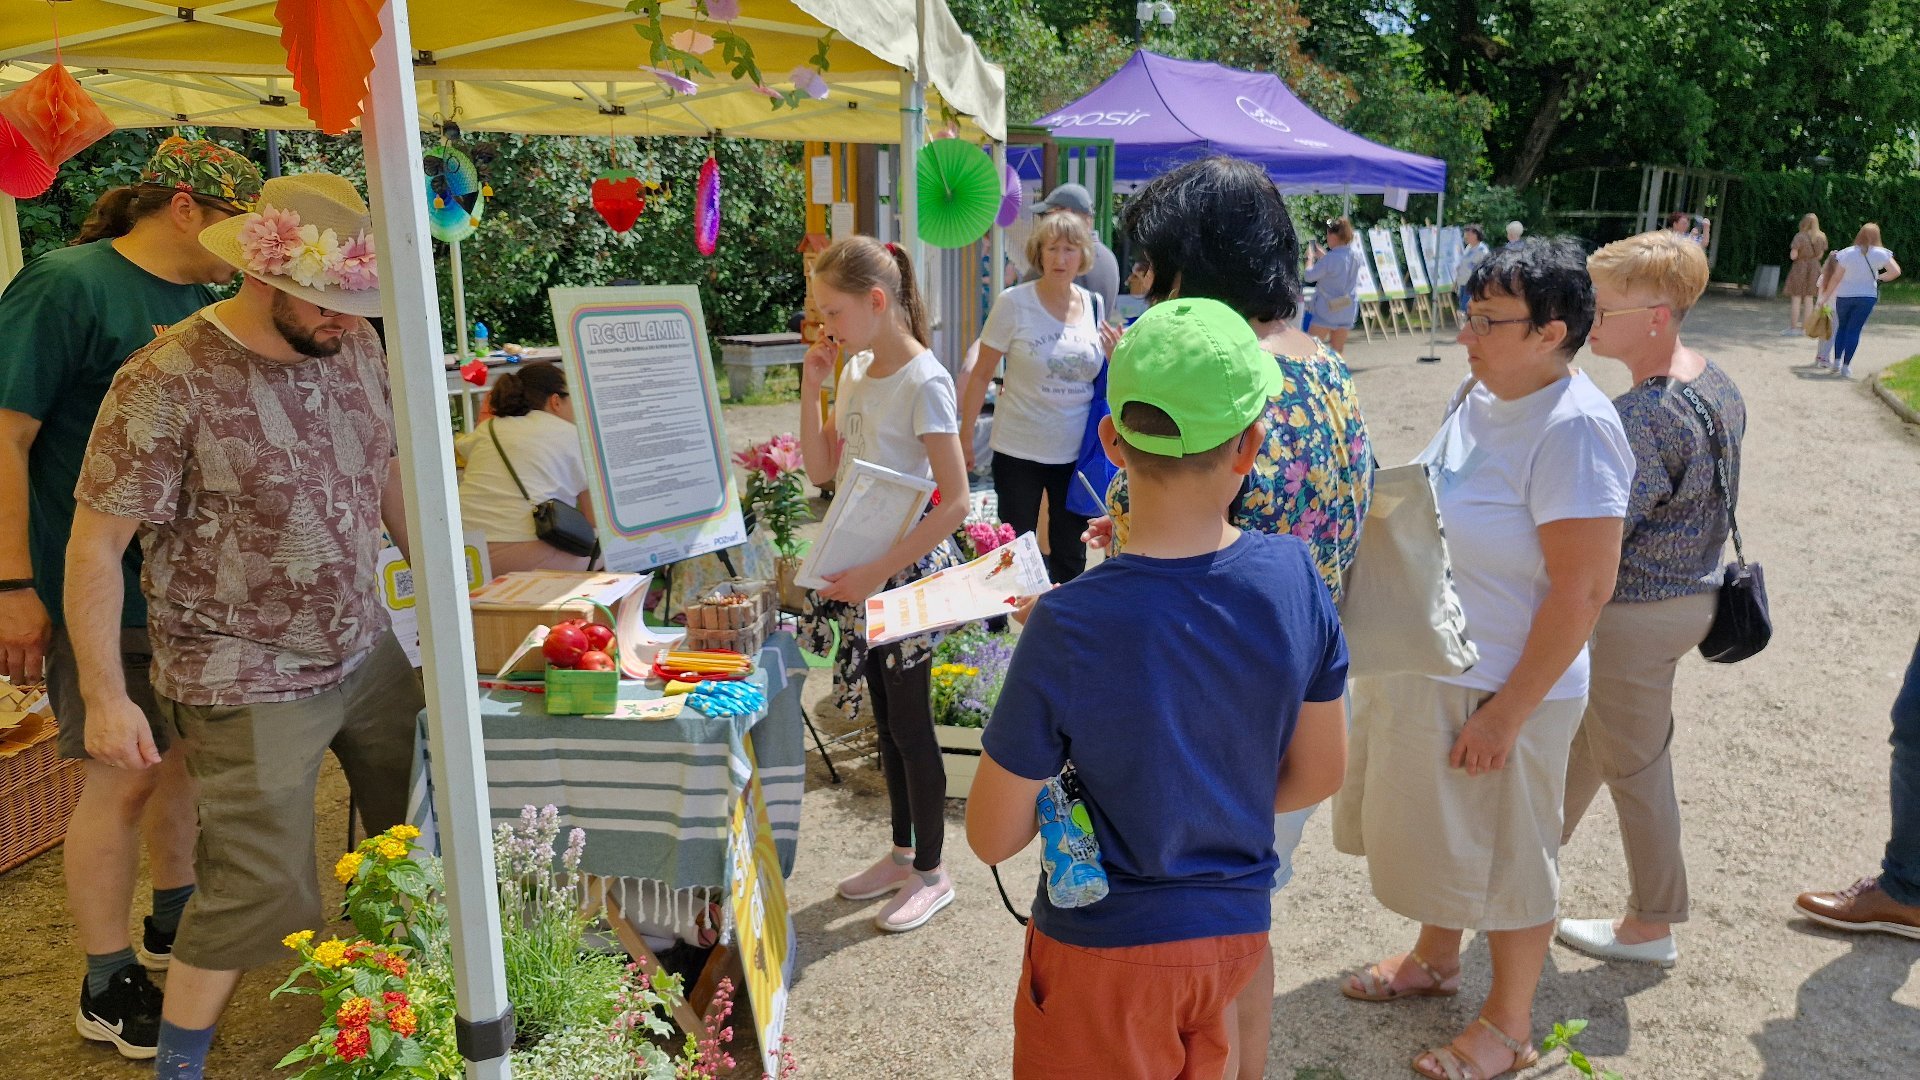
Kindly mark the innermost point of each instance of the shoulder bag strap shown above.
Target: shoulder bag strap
(1716, 444)
(1459, 399)
(508, 462)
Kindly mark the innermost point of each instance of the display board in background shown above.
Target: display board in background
(1367, 289)
(648, 410)
(1416, 267)
(1452, 247)
(1380, 239)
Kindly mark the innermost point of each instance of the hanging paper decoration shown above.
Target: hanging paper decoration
(706, 226)
(475, 372)
(959, 194)
(329, 46)
(455, 196)
(1011, 196)
(43, 123)
(617, 198)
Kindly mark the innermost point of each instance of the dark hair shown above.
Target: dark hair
(1144, 419)
(1476, 230)
(115, 213)
(527, 388)
(1218, 229)
(1551, 276)
(1679, 217)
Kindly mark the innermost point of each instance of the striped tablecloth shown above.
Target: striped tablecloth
(653, 796)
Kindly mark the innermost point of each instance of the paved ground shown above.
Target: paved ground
(1782, 767)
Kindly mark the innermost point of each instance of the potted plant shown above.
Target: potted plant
(968, 670)
(776, 496)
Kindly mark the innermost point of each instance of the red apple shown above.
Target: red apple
(564, 645)
(594, 660)
(598, 636)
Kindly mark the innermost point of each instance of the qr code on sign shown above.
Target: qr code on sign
(403, 584)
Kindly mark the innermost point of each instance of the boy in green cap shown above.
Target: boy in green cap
(1195, 684)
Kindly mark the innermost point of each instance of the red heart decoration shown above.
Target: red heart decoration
(616, 196)
(475, 372)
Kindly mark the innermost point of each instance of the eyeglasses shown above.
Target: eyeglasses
(1600, 314)
(1482, 326)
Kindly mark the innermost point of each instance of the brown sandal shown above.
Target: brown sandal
(1377, 985)
(1455, 1065)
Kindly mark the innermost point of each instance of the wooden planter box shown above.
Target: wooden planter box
(960, 753)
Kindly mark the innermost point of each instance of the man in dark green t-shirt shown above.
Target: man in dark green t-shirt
(71, 317)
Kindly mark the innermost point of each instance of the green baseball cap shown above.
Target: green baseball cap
(1199, 362)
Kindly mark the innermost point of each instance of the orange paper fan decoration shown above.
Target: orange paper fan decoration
(43, 123)
(329, 47)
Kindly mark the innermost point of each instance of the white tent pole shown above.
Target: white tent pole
(1433, 293)
(997, 271)
(913, 131)
(414, 344)
(12, 254)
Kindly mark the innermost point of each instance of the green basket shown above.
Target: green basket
(586, 693)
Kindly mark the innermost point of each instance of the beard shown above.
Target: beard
(299, 337)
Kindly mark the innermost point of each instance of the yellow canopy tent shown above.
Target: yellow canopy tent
(530, 66)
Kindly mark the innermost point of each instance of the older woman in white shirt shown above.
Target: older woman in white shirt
(529, 434)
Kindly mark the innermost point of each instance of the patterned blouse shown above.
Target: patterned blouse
(1314, 475)
(1676, 526)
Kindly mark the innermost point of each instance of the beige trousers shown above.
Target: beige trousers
(1625, 739)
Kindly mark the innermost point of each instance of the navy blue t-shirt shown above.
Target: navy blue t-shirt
(1173, 685)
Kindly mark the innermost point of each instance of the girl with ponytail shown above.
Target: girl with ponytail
(895, 407)
(526, 452)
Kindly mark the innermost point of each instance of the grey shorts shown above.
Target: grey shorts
(70, 709)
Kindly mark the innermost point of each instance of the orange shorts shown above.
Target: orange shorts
(1151, 1012)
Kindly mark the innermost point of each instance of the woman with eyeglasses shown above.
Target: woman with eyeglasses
(526, 452)
(1670, 571)
(1455, 785)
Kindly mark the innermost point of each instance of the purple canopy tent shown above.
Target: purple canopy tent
(1160, 112)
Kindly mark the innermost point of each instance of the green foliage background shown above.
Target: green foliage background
(1763, 212)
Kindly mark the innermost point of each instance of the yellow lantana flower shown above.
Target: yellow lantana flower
(404, 832)
(297, 939)
(348, 866)
(332, 954)
(389, 848)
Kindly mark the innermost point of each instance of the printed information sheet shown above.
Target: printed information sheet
(990, 585)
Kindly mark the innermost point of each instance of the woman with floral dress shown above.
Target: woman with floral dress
(1217, 228)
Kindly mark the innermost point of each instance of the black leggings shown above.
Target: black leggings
(909, 756)
(1017, 484)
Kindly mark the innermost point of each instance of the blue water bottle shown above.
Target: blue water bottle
(482, 342)
(1067, 845)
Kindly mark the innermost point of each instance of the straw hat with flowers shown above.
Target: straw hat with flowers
(311, 238)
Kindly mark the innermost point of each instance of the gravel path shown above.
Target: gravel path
(1782, 767)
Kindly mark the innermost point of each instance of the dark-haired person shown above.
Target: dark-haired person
(1334, 274)
(532, 425)
(1680, 223)
(1454, 785)
(72, 316)
(1475, 252)
(1218, 229)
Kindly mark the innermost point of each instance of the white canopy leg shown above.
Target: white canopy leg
(11, 255)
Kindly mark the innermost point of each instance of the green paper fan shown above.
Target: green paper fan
(959, 193)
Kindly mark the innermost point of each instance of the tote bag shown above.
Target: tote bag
(1398, 608)
(1092, 461)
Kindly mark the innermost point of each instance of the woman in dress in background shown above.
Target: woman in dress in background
(1808, 249)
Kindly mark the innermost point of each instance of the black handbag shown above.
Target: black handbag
(557, 523)
(1742, 625)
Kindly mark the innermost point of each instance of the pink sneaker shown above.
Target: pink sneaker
(917, 903)
(877, 880)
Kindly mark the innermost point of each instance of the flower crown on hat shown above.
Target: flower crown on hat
(276, 244)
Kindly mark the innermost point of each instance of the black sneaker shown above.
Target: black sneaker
(155, 949)
(127, 1014)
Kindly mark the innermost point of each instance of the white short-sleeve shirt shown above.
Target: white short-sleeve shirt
(1505, 468)
(545, 451)
(1051, 365)
(1860, 270)
(883, 419)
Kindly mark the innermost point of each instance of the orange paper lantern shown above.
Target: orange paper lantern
(329, 47)
(43, 123)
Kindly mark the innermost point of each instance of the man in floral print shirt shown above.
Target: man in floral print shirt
(251, 449)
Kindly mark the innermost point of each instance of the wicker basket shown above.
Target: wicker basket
(38, 791)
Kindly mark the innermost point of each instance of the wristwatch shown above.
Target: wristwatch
(15, 584)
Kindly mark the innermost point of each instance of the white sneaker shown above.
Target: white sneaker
(1846, 371)
(1595, 938)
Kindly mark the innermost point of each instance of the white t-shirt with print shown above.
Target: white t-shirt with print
(545, 451)
(1860, 270)
(1051, 365)
(1505, 468)
(883, 419)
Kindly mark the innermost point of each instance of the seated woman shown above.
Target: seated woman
(1454, 785)
(525, 453)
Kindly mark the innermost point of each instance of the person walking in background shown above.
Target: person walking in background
(895, 408)
(72, 318)
(1054, 339)
(1854, 275)
(1475, 239)
(1806, 253)
(1670, 571)
(1334, 273)
(1890, 902)
(1455, 786)
(1681, 223)
(525, 453)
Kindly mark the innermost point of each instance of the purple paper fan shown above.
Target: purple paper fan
(1012, 195)
(706, 235)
